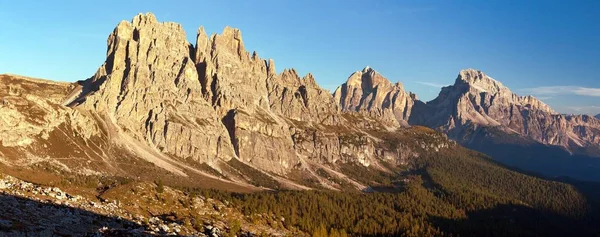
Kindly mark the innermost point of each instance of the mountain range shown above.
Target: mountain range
(164, 121)
(213, 109)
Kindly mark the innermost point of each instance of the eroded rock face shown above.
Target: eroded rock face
(276, 121)
(369, 92)
(216, 101)
(477, 100)
(158, 99)
(230, 76)
(150, 89)
(235, 84)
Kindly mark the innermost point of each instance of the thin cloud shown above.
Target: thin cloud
(563, 90)
(590, 109)
(582, 108)
(432, 84)
(544, 97)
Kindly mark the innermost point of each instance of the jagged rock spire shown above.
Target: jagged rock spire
(149, 88)
(369, 91)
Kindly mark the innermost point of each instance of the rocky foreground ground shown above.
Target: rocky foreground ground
(33, 210)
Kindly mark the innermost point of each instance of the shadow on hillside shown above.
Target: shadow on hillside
(27, 217)
(554, 164)
(549, 161)
(511, 220)
(88, 86)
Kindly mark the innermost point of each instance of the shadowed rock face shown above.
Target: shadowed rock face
(369, 92)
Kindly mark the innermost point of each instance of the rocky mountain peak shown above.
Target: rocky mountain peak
(368, 79)
(148, 91)
(271, 70)
(369, 91)
(230, 39)
(309, 79)
(478, 84)
(478, 100)
(142, 19)
(479, 81)
(289, 73)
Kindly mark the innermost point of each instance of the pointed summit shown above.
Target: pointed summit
(149, 75)
(140, 18)
(369, 91)
(231, 40)
(478, 99)
(479, 81)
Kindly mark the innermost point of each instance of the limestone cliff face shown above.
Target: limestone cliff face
(276, 121)
(235, 84)
(159, 105)
(149, 88)
(300, 98)
(369, 92)
(477, 100)
(229, 75)
(215, 101)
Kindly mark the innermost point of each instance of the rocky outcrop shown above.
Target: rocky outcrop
(235, 84)
(40, 210)
(31, 110)
(276, 121)
(477, 100)
(148, 87)
(369, 92)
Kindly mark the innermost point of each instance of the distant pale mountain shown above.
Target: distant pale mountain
(481, 113)
(597, 116)
(477, 100)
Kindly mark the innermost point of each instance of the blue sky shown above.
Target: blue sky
(550, 49)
